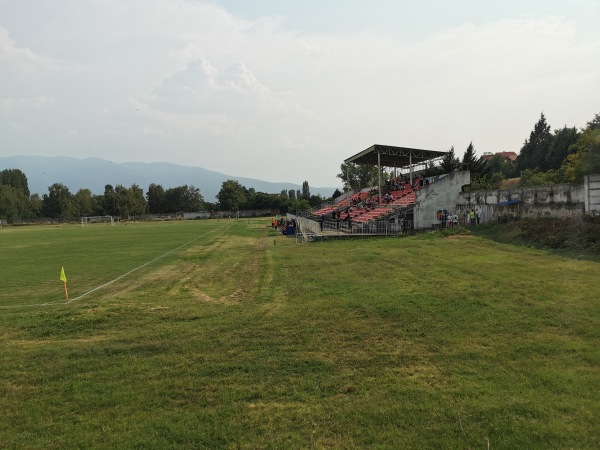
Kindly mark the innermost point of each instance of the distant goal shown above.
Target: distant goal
(108, 220)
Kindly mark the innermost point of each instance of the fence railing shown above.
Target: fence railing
(310, 230)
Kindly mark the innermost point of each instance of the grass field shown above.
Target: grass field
(227, 335)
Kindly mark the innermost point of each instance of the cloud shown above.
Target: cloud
(232, 103)
(202, 88)
(16, 106)
(188, 82)
(24, 59)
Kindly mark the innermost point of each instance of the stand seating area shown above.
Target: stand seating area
(366, 206)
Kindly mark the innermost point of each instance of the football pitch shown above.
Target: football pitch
(225, 334)
(92, 256)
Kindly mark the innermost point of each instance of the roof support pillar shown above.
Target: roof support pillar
(379, 173)
(348, 181)
(410, 167)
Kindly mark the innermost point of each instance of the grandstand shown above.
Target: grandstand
(408, 201)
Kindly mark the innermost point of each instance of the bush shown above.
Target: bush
(576, 234)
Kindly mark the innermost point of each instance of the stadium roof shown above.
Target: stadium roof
(390, 156)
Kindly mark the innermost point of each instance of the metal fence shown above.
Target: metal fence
(308, 230)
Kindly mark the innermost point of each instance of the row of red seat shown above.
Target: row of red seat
(401, 198)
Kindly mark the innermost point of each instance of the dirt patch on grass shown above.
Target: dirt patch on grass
(28, 343)
(234, 298)
(422, 375)
(455, 237)
(158, 308)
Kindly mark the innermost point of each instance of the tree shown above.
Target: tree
(174, 199)
(210, 206)
(14, 194)
(231, 196)
(35, 205)
(559, 146)
(305, 190)
(191, 199)
(499, 164)
(261, 200)
(295, 206)
(584, 155)
(110, 204)
(122, 200)
(358, 176)
(534, 151)
(156, 198)
(432, 169)
(84, 203)
(136, 200)
(449, 161)
(585, 158)
(16, 179)
(594, 124)
(58, 202)
(536, 178)
(13, 203)
(315, 200)
(473, 162)
(292, 194)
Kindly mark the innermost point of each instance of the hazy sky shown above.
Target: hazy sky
(285, 90)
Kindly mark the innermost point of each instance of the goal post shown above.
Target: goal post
(87, 220)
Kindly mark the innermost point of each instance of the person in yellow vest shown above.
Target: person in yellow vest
(472, 217)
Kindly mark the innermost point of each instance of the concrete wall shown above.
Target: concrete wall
(196, 215)
(228, 214)
(533, 195)
(592, 197)
(559, 200)
(443, 194)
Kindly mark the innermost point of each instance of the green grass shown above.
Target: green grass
(31, 257)
(245, 339)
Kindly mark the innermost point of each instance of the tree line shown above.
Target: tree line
(17, 202)
(565, 155)
(233, 196)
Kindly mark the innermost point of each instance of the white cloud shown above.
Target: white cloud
(232, 102)
(16, 106)
(24, 59)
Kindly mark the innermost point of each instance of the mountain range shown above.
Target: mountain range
(95, 173)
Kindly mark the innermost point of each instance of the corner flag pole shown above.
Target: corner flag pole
(63, 278)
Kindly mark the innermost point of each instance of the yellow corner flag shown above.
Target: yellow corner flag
(63, 278)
